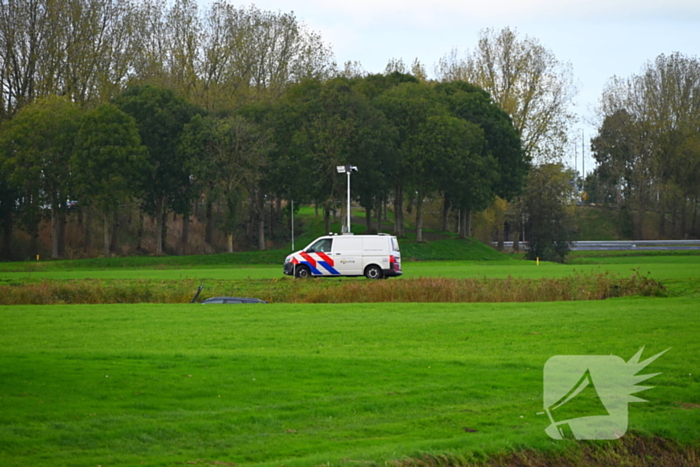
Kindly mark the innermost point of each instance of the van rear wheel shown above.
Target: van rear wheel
(373, 272)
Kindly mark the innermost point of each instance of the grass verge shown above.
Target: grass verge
(454, 249)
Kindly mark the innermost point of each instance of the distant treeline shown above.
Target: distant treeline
(648, 149)
(116, 112)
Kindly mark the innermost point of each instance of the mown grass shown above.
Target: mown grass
(309, 385)
(659, 267)
(593, 256)
(239, 259)
(440, 250)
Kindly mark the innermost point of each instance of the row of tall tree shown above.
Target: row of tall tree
(149, 144)
(648, 147)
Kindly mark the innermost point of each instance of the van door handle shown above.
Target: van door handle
(338, 254)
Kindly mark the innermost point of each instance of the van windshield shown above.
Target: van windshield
(322, 246)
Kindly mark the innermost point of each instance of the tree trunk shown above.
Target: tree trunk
(419, 218)
(62, 233)
(446, 214)
(380, 209)
(87, 234)
(469, 222)
(271, 220)
(105, 235)
(516, 240)
(501, 237)
(410, 202)
(34, 241)
(185, 238)
(326, 220)
(462, 224)
(249, 227)
(161, 220)
(164, 231)
(662, 215)
(209, 228)
(277, 217)
(684, 215)
(261, 219)
(368, 220)
(113, 244)
(465, 228)
(7, 236)
(261, 233)
(639, 217)
(398, 211)
(54, 232)
(229, 242)
(139, 234)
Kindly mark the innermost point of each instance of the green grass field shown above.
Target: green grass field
(343, 384)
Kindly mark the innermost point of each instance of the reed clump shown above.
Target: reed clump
(594, 286)
(89, 291)
(579, 286)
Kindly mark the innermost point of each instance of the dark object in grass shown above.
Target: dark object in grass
(231, 300)
(224, 300)
(196, 295)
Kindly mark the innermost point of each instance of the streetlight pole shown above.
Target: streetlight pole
(583, 162)
(347, 169)
(348, 211)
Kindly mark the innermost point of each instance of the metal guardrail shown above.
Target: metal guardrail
(626, 245)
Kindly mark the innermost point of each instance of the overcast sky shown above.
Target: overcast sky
(600, 38)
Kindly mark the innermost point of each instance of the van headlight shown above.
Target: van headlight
(287, 259)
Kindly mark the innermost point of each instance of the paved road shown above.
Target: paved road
(632, 245)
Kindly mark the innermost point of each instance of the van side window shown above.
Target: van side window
(322, 246)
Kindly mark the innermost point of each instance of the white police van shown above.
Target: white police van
(372, 256)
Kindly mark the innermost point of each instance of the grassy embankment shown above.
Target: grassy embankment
(502, 278)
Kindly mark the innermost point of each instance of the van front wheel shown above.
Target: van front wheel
(373, 272)
(302, 272)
